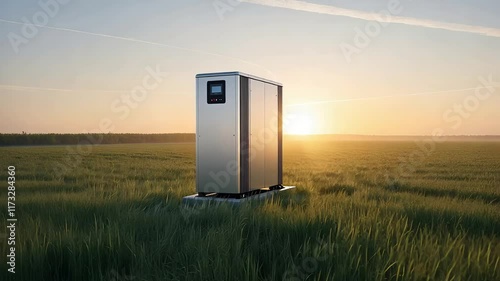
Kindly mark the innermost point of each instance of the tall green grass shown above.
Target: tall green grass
(118, 216)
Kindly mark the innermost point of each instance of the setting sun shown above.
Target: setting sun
(298, 124)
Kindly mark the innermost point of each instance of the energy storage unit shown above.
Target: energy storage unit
(238, 133)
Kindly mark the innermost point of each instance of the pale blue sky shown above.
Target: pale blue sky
(299, 49)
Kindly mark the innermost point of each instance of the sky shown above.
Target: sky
(375, 67)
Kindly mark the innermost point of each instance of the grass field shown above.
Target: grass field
(117, 216)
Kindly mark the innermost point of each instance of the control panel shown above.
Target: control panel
(216, 91)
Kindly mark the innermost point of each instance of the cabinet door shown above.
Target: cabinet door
(271, 135)
(257, 134)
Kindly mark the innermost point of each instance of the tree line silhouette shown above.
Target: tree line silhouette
(74, 139)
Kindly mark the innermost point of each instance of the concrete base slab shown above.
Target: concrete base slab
(213, 198)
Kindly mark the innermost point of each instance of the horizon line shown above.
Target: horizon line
(300, 135)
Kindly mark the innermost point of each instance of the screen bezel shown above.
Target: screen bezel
(218, 98)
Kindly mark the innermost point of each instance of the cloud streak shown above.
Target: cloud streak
(30, 88)
(369, 16)
(143, 42)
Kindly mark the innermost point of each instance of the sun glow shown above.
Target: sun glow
(298, 124)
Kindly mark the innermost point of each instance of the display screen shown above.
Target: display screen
(216, 90)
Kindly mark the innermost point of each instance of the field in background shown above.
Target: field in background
(354, 215)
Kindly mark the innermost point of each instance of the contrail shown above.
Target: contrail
(336, 11)
(389, 96)
(142, 41)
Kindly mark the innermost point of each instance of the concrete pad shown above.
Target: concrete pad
(213, 198)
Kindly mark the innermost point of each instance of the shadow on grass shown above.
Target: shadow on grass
(436, 192)
(297, 198)
(88, 240)
(146, 238)
(452, 221)
(82, 213)
(47, 188)
(337, 189)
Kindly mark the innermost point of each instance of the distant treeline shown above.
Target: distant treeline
(73, 139)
